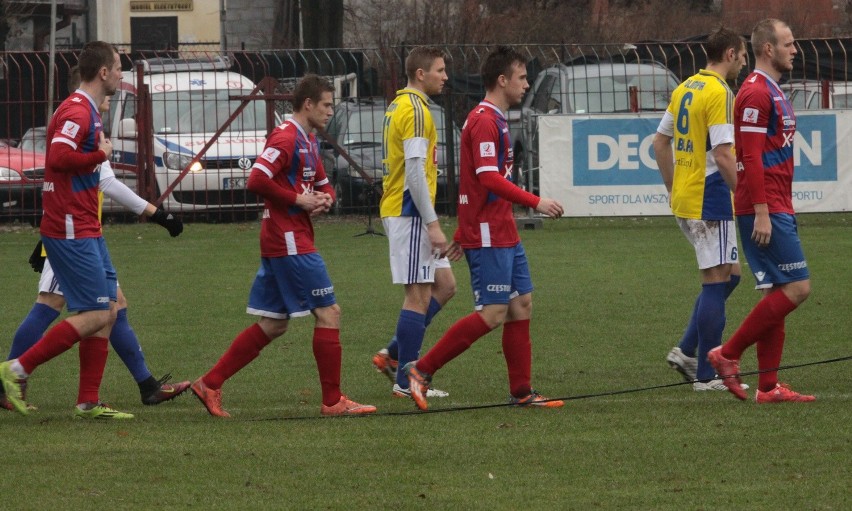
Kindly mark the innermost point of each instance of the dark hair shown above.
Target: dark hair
(310, 87)
(765, 32)
(720, 41)
(422, 57)
(499, 62)
(95, 55)
(74, 79)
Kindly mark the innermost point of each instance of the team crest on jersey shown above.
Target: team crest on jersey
(486, 149)
(750, 115)
(70, 129)
(270, 154)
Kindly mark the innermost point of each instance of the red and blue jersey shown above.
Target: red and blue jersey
(70, 191)
(764, 127)
(291, 159)
(485, 219)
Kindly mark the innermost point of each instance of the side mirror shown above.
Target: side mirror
(127, 128)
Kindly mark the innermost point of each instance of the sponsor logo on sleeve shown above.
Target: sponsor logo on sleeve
(486, 149)
(270, 154)
(70, 129)
(750, 115)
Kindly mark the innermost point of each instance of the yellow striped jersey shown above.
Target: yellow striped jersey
(408, 131)
(702, 113)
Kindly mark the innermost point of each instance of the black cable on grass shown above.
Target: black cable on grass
(568, 398)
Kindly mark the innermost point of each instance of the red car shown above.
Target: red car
(21, 179)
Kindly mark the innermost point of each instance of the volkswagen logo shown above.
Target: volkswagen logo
(244, 163)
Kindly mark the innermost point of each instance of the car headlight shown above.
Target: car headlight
(177, 161)
(7, 174)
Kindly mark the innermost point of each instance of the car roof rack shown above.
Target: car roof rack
(169, 65)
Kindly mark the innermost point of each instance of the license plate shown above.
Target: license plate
(234, 183)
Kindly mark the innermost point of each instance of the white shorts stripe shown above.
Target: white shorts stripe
(485, 234)
(290, 241)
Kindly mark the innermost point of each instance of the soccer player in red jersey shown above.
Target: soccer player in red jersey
(499, 273)
(292, 280)
(71, 234)
(764, 127)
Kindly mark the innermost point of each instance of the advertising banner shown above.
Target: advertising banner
(604, 165)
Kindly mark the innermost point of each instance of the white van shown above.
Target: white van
(190, 100)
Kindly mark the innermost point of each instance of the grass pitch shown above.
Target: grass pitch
(612, 297)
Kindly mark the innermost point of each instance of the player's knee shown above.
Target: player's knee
(328, 317)
(52, 300)
(273, 328)
(799, 291)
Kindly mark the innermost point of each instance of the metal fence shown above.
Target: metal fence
(365, 80)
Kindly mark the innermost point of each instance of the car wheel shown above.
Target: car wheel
(520, 163)
(339, 199)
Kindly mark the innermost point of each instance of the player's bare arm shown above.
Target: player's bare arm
(726, 160)
(105, 145)
(550, 208)
(762, 231)
(436, 237)
(311, 202)
(664, 155)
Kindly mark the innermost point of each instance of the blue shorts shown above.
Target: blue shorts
(498, 274)
(782, 261)
(84, 271)
(290, 286)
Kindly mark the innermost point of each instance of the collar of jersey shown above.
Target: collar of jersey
(763, 73)
(408, 90)
(86, 95)
(711, 73)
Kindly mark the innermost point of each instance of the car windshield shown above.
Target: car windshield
(607, 94)
(204, 112)
(365, 127)
(34, 140)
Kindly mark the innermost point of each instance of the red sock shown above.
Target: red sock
(56, 341)
(517, 349)
(458, 338)
(769, 352)
(93, 357)
(328, 353)
(245, 348)
(769, 312)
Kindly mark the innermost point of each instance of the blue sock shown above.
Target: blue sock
(434, 308)
(710, 319)
(32, 329)
(126, 344)
(689, 342)
(409, 334)
(732, 284)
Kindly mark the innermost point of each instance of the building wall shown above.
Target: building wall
(249, 24)
(201, 24)
(813, 18)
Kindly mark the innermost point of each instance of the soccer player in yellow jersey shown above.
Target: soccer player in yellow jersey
(694, 151)
(417, 244)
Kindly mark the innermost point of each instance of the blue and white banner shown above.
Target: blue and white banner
(604, 165)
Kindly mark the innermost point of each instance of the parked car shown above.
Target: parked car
(357, 127)
(190, 100)
(35, 140)
(601, 88)
(808, 94)
(21, 180)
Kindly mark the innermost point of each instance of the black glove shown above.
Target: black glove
(169, 221)
(36, 259)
